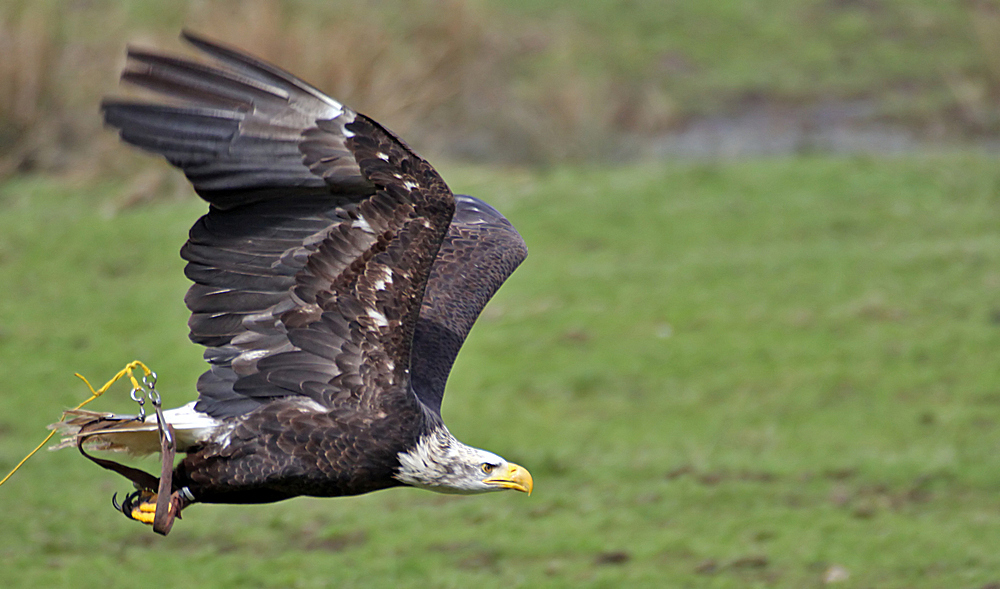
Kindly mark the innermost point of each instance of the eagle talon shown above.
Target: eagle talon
(139, 505)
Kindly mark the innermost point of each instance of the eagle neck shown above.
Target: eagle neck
(430, 463)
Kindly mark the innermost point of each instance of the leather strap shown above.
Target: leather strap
(141, 478)
(164, 518)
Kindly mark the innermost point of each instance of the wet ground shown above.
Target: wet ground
(836, 127)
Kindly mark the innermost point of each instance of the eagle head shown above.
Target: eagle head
(439, 462)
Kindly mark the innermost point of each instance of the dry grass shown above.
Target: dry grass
(976, 94)
(355, 55)
(30, 91)
(453, 76)
(510, 81)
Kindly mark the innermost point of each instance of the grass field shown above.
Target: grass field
(771, 373)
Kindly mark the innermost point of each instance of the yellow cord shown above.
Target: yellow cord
(93, 395)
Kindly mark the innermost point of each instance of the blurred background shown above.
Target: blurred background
(540, 83)
(754, 344)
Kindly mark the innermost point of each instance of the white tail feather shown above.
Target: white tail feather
(126, 433)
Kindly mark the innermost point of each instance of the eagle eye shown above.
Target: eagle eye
(487, 467)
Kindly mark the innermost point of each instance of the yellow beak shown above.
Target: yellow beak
(516, 477)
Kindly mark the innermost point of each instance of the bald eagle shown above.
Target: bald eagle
(335, 279)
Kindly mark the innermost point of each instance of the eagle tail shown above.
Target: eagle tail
(128, 433)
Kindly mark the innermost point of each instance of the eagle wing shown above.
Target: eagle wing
(480, 251)
(311, 265)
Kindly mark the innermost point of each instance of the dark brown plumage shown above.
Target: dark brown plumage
(335, 279)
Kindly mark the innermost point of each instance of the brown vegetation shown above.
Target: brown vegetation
(455, 77)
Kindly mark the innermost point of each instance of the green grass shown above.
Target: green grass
(710, 53)
(720, 375)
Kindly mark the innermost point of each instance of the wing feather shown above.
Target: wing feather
(241, 134)
(480, 251)
(317, 270)
(310, 267)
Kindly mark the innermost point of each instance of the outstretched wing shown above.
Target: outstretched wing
(310, 267)
(480, 251)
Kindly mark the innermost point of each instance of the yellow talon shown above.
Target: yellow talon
(141, 507)
(145, 514)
